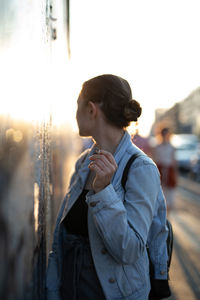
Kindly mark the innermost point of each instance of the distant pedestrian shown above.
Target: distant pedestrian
(164, 157)
(142, 143)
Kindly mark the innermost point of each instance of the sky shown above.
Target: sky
(154, 44)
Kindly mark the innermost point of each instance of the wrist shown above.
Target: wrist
(99, 189)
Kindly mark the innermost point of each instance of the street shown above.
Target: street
(185, 265)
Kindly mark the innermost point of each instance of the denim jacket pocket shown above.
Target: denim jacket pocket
(123, 281)
(137, 275)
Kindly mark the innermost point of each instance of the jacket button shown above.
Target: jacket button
(111, 280)
(162, 272)
(103, 251)
(93, 204)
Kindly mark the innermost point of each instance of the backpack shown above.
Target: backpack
(159, 288)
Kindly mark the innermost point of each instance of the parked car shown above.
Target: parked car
(186, 146)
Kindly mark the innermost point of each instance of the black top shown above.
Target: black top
(76, 219)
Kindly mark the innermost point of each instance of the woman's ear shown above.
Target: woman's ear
(92, 109)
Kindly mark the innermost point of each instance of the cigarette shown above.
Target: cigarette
(98, 151)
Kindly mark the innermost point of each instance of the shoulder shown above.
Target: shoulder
(145, 160)
(172, 147)
(157, 147)
(140, 158)
(143, 165)
(143, 177)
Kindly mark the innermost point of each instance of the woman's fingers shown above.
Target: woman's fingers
(101, 161)
(109, 156)
(102, 169)
(106, 158)
(100, 164)
(98, 170)
(102, 177)
(104, 165)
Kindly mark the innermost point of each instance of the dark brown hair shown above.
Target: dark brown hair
(114, 96)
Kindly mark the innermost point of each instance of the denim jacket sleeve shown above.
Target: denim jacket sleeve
(123, 220)
(157, 237)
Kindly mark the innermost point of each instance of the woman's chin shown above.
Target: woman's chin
(83, 134)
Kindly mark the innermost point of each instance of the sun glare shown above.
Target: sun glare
(34, 90)
(135, 41)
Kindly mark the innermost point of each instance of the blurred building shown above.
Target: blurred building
(189, 113)
(183, 117)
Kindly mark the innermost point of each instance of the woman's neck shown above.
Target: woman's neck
(108, 139)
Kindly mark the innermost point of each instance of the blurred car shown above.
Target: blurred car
(195, 166)
(186, 146)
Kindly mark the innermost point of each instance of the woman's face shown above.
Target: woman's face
(82, 117)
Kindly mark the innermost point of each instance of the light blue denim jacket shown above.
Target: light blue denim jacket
(120, 225)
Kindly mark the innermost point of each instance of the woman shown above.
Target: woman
(99, 249)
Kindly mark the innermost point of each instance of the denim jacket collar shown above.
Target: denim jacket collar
(118, 155)
(123, 145)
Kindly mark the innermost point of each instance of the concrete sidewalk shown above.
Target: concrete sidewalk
(189, 184)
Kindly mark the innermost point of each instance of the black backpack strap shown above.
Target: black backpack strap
(170, 239)
(127, 167)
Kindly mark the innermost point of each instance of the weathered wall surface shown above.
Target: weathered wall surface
(36, 157)
(35, 164)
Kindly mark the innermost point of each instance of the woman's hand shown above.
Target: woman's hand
(104, 166)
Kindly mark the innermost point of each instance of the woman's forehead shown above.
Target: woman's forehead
(79, 98)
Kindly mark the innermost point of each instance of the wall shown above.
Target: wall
(36, 155)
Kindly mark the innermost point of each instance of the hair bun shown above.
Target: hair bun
(132, 110)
